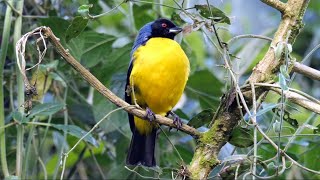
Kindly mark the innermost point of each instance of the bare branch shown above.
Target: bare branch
(210, 143)
(280, 6)
(300, 100)
(306, 70)
(95, 83)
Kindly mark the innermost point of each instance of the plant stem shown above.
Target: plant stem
(20, 84)
(3, 54)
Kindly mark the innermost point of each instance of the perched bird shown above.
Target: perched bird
(156, 78)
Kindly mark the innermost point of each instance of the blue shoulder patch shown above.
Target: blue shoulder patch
(143, 36)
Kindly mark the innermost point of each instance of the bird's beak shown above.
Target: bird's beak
(175, 30)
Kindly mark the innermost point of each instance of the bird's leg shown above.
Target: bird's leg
(150, 114)
(176, 119)
(133, 94)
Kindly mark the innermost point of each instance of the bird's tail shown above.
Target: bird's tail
(141, 150)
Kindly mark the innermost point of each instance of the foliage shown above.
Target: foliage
(66, 105)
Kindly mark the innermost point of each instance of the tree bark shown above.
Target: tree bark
(210, 142)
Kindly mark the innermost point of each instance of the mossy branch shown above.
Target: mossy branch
(209, 145)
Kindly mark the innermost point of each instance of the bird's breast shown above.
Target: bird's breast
(159, 74)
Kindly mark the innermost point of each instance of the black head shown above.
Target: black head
(164, 28)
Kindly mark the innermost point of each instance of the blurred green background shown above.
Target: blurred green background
(104, 46)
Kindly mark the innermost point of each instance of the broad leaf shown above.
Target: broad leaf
(276, 126)
(241, 137)
(18, 116)
(141, 15)
(91, 48)
(42, 82)
(202, 118)
(58, 26)
(56, 77)
(84, 9)
(216, 14)
(46, 109)
(77, 132)
(283, 82)
(206, 87)
(266, 108)
(181, 114)
(176, 18)
(278, 50)
(77, 25)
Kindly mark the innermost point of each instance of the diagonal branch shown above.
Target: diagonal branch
(306, 70)
(280, 6)
(95, 83)
(209, 145)
(299, 100)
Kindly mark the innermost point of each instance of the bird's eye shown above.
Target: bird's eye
(164, 25)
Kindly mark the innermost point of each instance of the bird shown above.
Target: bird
(156, 78)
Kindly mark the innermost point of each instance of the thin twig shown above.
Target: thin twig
(248, 36)
(298, 131)
(65, 155)
(105, 91)
(142, 176)
(254, 119)
(97, 16)
(12, 8)
(160, 4)
(174, 147)
(97, 164)
(299, 165)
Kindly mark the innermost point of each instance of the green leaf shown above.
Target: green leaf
(266, 108)
(77, 132)
(90, 48)
(241, 137)
(286, 117)
(12, 178)
(176, 18)
(46, 109)
(56, 77)
(115, 62)
(84, 9)
(81, 112)
(186, 153)
(278, 50)
(50, 66)
(201, 119)
(181, 114)
(284, 72)
(141, 15)
(18, 116)
(77, 25)
(283, 82)
(58, 26)
(317, 131)
(206, 87)
(289, 48)
(96, 8)
(218, 15)
(276, 126)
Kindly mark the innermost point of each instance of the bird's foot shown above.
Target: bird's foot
(150, 114)
(176, 119)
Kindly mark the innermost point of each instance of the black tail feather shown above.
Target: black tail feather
(141, 150)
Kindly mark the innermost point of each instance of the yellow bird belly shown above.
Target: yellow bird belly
(159, 75)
